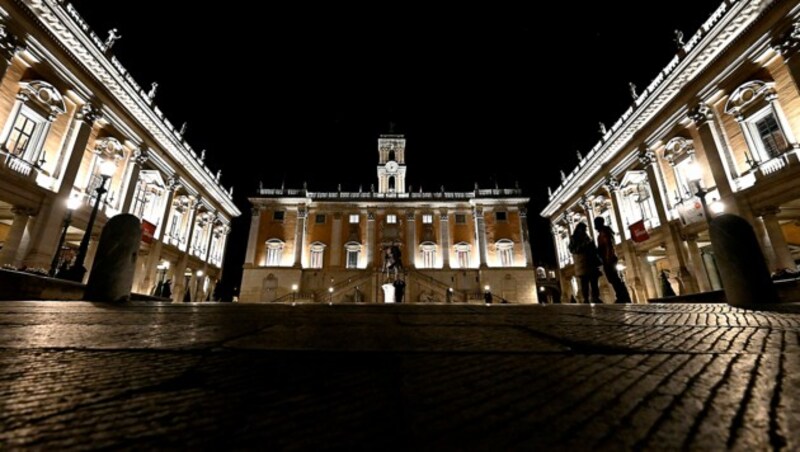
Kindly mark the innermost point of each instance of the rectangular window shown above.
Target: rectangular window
(391, 219)
(507, 257)
(173, 226)
(427, 219)
(278, 215)
(274, 256)
(771, 135)
(319, 218)
(428, 258)
(316, 258)
(354, 218)
(463, 258)
(352, 258)
(461, 218)
(501, 216)
(21, 135)
(685, 190)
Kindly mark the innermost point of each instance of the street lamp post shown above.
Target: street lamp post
(330, 295)
(695, 176)
(294, 292)
(76, 272)
(199, 275)
(72, 204)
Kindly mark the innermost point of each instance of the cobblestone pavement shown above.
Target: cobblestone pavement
(78, 375)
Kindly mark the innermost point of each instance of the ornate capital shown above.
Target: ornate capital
(443, 217)
(141, 155)
(647, 157)
(788, 43)
(255, 211)
(410, 216)
(478, 212)
(611, 184)
(769, 211)
(302, 212)
(523, 212)
(88, 113)
(700, 114)
(585, 203)
(9, 43)
(173, 183)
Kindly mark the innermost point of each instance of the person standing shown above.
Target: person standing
(605, 248)
(584, 254)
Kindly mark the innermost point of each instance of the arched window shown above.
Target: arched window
(679, 152)
(462, 254)
(317, 255)
(391, 183)
(428, 250)
(766, 131)
(38, 103)
(505, 249)
(391, 155)
(353, 250)
(274, 252)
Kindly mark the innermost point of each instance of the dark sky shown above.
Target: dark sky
(475, 90)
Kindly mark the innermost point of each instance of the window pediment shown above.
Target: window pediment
(44, 95)
(677, 149)
(746, 96)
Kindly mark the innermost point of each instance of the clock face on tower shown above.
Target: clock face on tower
(391, 166)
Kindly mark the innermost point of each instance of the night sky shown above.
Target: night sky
(473, 89)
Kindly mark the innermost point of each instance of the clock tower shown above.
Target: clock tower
(392, 164)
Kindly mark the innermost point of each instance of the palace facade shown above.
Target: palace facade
(715, 131)
(332, 246)
(69, 112)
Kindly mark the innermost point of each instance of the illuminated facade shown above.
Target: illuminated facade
(331, 246)
(717, 126)
(66, 106)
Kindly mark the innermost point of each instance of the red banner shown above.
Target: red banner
(638, 232)
(148, 231)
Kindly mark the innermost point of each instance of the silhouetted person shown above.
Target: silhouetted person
(399, 290)
(605, 248)
(166, 289)
(587, 263)
(487, 297)
(666, 287)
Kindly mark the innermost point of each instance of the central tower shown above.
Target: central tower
(392, 164)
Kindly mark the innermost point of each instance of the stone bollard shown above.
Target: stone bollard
(741, 263)
(114, 264)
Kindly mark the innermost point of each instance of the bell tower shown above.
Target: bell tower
(392, 164)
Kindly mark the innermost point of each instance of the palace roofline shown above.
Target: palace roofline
(493, 193)
(713, 38)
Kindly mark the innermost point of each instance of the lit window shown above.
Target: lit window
(274, 252)
(505, 248)
(682, 178)
(501, 216)
(353, 251)
(319, 218)
(21, 135)
(773, 142)
(391, 219)
(461, 218)
(427, 219)
(462, 254)
(317, 254)
(354, 218)
(428, 254)
(278, 215)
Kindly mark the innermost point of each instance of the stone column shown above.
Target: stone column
(696, 260)
(252, 245)
(140, 157)
(411, 239)
(444, 238)
(299, 233)
(180, 269)
(525, 235)
(646, 274)
(370, 252)
(480, 231)
(336, 240)
(715, 151)
(674, 243)
(46, 235)
(783, 257)
(586, 204)
(154, 254)
(8, 255)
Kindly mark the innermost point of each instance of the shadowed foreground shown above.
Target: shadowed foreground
(405, 376)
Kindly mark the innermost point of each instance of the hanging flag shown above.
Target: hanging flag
(638, 231)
